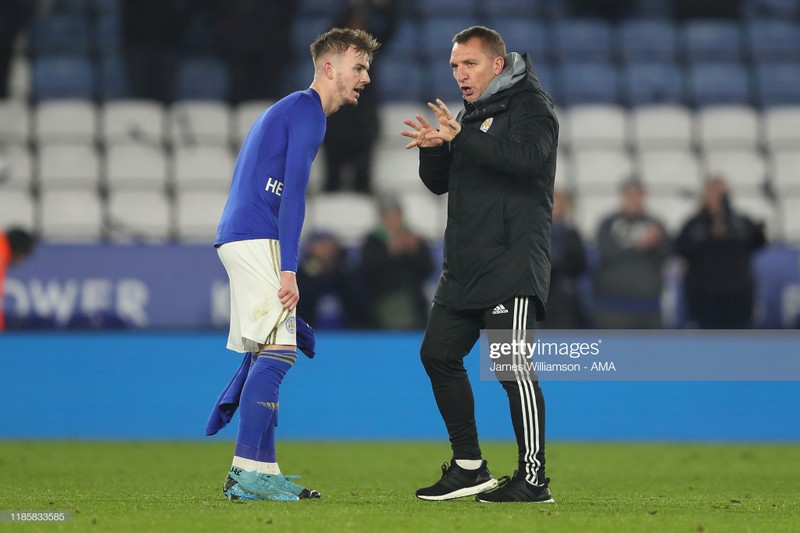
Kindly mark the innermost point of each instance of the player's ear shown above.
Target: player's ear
(499, 63)
(328, 69)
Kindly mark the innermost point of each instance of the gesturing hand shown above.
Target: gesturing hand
(449, 126)
(421, 129)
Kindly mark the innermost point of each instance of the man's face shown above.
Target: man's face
(633, 201)
(352, 75)
(473, 68)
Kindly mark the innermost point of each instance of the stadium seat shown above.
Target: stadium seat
(202, 168)
(718, 83)
(778, 83)
(133, 122)
(439, 82)
(524, 34)
(396, 170)
(71, 216)
(785, 171)
(68, 121)
(781, 126)
(662, 127)
(600, 171)
(669, 171)
(673, 210)
(648, 40)
(349, 216)
(598, 126)
(107, 34)
(324, 8)
(138, 216)
(107, 6)
(778, 9)
(197, 215)
(63, 77)
(404, 43)
(773, 40)
(68, 166)
(588, 83)
(760, 210)
(548, 79)
(790, 214)
(244, 116)
(425, 214)
(60, 33)
(135, 167)
(401, 80)
(15, 123)
(193, 123)
(653, 83)
(17, 209)
(563, 178)
(16, 168)
(728, 127)
(392, 115)
(434, 8)
(202, 78)
(436, 34)
(744, 169)
(306, 28)
(712, 40)
(582, 40)
(514, 8)
(112, 78)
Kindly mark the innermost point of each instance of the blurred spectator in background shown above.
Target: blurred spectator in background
(718, 245)
(15, 246)
(331, 297)
(352, 133)
(14, 18)
(153, 31)
(633, 247)
(251, 32)
(568, 262)
(395, 262)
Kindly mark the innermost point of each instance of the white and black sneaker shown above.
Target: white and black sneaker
(457, 482)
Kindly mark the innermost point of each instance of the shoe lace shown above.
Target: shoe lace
(503, 481)
(445, 468)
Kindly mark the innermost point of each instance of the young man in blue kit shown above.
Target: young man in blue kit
(257, 241)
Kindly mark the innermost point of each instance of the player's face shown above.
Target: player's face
(473, 68)
(352, 76)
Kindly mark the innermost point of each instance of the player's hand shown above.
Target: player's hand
(289, 294)
(421, 129)
(449, 127)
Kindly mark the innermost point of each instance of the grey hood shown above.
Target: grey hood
(515, 69)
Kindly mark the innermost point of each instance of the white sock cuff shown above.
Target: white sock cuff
(469, 464)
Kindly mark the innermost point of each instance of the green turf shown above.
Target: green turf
(369, 487)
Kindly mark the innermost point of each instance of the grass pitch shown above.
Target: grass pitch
(144, 487)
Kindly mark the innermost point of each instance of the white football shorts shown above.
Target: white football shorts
(257, 316)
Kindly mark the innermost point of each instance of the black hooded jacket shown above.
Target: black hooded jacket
(499, 173)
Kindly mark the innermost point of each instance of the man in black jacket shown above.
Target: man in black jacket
(497, 162)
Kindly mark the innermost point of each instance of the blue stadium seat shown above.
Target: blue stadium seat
(304, 30)
(589, 83)
(202, 78)
(773, 40)
(297, 77)
(62, 77)
(112, 78)
(440, 83)
(437, 34)
(402, 80)
(79, 7)
(718, 83)
(647, 40)
(60, 34)
(515, 8)
(523, 34)
(107, 6)
(778, 83)
(439, 8)
(548, 79)
(786, 9)
(712, 40)
(404, 43)
(107, 34)
(324, 8)
(653, 83)
(582, 40)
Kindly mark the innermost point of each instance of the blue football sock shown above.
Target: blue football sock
(258, 406)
